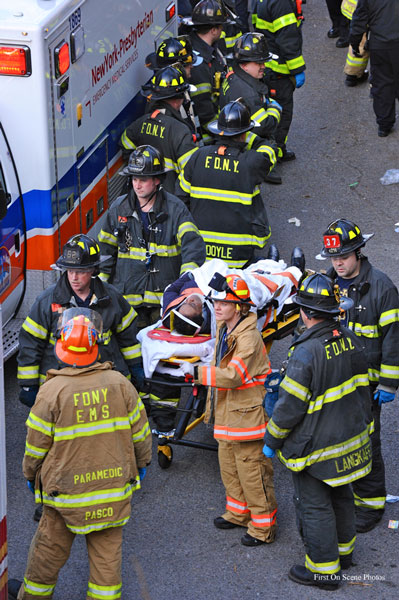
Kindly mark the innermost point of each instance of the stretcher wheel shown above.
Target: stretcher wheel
(165, 456)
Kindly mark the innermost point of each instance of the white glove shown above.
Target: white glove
(187, 368)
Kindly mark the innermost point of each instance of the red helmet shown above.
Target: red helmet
(80, 330)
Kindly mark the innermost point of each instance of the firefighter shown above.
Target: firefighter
(320, 428)
(246, 80)
(221, 183)
(280, 21)
(150, 236)
(340, 23)
(355, 66)
(79, 285)
(234, 404)
(374, 318)
(87, 448)
(179, 50)
(163, 127)
(207, 21)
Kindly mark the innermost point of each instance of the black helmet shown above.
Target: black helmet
(145, 161)
(80, 253)
(342, 237)
(319, 293)
(173, 50)
(168, 82)
(209, 12)
(234, 118)
(252, 47)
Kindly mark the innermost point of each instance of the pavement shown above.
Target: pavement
(171, 549)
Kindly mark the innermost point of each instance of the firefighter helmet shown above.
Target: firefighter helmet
(145, 161)
(233, 119)
(252, 47)
(173, 50)
(168, 82)
(80, 330)
(80, 253)
(319, 293)
(343, 237)
(231, 288)
(209, 12)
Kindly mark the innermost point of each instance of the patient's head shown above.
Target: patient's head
(191, 310)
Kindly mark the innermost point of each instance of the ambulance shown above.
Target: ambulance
(70, 77)
(3, 494)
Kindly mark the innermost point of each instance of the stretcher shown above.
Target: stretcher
(192, 414)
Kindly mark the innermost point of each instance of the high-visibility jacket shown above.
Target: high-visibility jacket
(221, 182)
(238, 83)
(142, 266)
(236, 381)
(348, 8)
(38, 334)
(322, 419)
(375, 319)
(207, 78)
(278, 21)
(88, 435)
(163, 128)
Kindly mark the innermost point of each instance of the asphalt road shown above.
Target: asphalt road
(171, 548)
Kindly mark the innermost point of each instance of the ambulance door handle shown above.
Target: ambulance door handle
(17, 243)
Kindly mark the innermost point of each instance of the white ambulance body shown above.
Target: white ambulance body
(70, 77)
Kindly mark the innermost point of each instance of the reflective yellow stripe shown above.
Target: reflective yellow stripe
(202, 88)
(322, 454)
(35, 329)
(104, 592)
(127, 320)
(104, 276)
(28, 372)
(223, 195)
(339, 391)
(134, 299)
(88, 429)
(107, 238)
(276, 431)
(35, 451)
(90, 498)
(374, 503)
(186, 227)
(295, 389)
(37, 589)
(130, 352)
(97, 526)
(327, 568)
(274, 112)
(369, 331)
(346, 548)
(142, 434)
(389, 371)
(188, 267)
(38, 424)
(152, 297)
(264, 149)
(184, 158)
(134, 416)
(274, 65)
(170, 164)
(295, 63)
(127, 142)
(233, 239)
(388, 317)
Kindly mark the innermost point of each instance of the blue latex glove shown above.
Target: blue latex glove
(142, 472)
(274, 104)
(137, 376)
(27, 395)
(269, 452)
(300, 79)
(31, 485)
(382, 396)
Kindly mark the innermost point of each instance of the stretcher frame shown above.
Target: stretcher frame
(281, 326)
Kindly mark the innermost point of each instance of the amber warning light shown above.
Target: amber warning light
(15, 60)
(170, 11)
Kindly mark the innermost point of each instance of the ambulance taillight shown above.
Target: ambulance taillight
(15, 60)
(61, 58)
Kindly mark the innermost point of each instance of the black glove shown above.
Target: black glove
(354, 41)
(27, 395)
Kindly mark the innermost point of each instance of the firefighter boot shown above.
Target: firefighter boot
(303, 576)
(298, 258)
(273, 253)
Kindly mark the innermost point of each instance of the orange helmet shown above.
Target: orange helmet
(231, 288)
(80, 330)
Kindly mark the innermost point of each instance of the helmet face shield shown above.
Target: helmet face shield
(79, 332)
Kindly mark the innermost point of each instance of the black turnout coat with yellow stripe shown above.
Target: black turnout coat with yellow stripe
(322, 419)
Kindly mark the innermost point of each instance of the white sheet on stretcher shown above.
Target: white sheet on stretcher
(155, 350)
